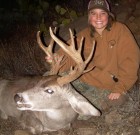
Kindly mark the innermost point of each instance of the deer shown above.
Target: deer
(49, 102)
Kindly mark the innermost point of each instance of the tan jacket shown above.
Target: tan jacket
(116, 54)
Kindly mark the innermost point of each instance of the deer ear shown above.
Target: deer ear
(82, 106)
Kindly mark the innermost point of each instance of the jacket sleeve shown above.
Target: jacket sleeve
(128, 61)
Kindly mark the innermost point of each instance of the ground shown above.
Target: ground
(121, 120)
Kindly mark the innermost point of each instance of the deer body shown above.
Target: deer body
(47, 103)
(43, 103)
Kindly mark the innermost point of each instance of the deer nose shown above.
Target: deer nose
(17, 98)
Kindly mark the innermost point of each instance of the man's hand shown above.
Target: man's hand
(49, 59)
(113, 96)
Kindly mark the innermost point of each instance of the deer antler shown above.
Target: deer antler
(79, 69)
(54, 60)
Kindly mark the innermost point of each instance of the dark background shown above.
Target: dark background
(20, 20)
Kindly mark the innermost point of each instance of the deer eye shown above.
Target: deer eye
(49, 91)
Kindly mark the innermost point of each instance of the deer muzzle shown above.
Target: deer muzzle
(21, 103)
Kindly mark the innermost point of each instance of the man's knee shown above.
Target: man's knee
(117, 102)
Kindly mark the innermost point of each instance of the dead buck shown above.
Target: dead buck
(47, 103)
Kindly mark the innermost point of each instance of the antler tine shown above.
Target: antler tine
(81, 45)
(56, 62)
(72, 39)
(89, 58)
(73, 43)
(61, 43)
(46, 49)
(79, 69)
(91, 53)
